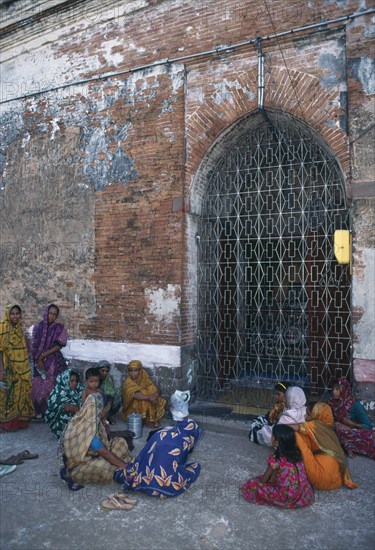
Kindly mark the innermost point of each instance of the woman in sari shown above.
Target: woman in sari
(352, 425)
(16, 406)
(161, 468)
(140, 395)
(47, 340)
(64, 401)
(88, 455)
(322, 453)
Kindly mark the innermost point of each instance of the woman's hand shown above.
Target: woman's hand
(347, 422)
(267, 475)
(71, 408)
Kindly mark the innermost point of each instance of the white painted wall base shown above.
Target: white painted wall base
(151, 356)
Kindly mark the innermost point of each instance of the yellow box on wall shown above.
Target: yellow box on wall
(342, 244)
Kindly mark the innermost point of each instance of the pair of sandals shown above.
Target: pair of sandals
(118, 501)
(18, 458)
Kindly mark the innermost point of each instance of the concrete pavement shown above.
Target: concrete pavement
(39, 512)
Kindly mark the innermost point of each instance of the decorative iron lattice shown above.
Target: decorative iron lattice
(273, 303)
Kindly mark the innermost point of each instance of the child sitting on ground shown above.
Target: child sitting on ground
(111, 395)
(92, 379)
(285, 483)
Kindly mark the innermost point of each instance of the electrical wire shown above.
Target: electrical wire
(285, 63)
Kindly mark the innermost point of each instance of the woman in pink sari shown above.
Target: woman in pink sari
(47, 340)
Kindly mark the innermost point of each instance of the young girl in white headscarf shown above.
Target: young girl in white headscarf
(294, 413)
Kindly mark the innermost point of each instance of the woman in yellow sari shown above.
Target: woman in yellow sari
(322, 453)
(140, 395)
(16, 406)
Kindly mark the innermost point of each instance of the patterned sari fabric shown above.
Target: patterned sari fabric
(153, 411)
(16, 406)
(359, 441)
(288, 487)
(354, 440)
(322, 453)
(46, 336)
(56, 416)
(160, 468)
(84, 466)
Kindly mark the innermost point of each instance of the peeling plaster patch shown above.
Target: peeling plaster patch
(166, 106)
(333, 60)
(121, 168)
(55, 128)
(363, 293)
(113, 58)
(25, 140)
(364, 371)
(223, 91)
(112, 167)
(366, 74)
(176, 73)
(11, 129)
(164, 303)
(132, 46)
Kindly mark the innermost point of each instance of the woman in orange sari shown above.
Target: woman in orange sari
(322, 453)
(140, 395)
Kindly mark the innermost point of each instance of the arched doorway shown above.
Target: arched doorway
(273, 302)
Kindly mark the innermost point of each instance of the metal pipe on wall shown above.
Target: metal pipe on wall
(219, 49)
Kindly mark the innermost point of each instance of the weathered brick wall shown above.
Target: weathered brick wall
(111, 169)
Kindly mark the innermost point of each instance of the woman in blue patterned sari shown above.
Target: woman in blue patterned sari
(160, 469)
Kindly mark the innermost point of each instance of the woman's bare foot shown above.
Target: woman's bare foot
(350, 454)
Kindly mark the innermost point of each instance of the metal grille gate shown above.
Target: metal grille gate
(273, 303)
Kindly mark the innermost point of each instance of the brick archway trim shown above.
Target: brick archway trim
(294, 92)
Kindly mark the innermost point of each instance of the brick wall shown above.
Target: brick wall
(131, 147)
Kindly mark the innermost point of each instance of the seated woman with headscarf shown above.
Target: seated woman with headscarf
(322, 453)
(352, 425)
(88, 455)
(293, 413)
(160, 469)
(64, 401)
(140, 395)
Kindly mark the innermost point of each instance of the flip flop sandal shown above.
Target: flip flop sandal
(7, 469)
(113, 503)
(26, 455)
(12, 460)
(124, 498)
